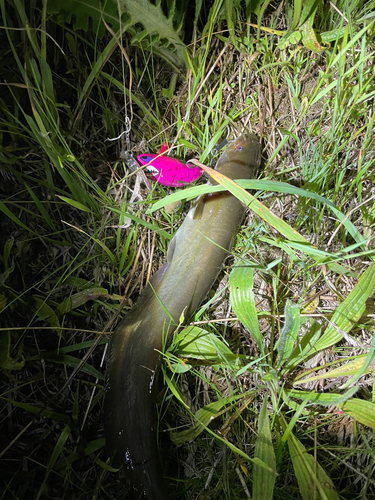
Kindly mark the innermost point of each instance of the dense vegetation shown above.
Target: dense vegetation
(269, 388)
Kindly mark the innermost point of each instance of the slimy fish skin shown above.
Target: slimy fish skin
(195, 257)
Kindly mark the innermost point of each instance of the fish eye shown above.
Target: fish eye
(146, 158)
(239, 148)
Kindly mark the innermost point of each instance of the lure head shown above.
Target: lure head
(168, 171)
(151, 169)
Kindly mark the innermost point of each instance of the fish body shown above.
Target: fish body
(168, 171)
(194, 259)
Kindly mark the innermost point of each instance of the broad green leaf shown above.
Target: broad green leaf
(289, 333)
(350, 368)
(365, 368)
(262, 185)
(349, 312)
(154, 21)
(203, 417)
(75, 204)
(310, 475)
(177, 365)
(194, 342)
(304, 346)
(290, 38)
(46, 313)
(242, 299)
(254, 204)
(332, 36)
(80, 298)
(263, 479)
(7, 361)
(297, 9)
(324, 399)
(363, 411)
(309, 39)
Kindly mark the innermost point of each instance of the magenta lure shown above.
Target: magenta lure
(168, 171)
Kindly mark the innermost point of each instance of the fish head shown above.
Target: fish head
(242, 157)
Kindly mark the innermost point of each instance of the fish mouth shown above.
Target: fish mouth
(151, 171)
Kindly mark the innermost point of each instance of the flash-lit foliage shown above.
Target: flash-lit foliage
(269, 387)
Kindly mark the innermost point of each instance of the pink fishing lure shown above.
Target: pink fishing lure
(168, 171)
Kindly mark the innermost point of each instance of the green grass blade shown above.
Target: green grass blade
(365, 368)
(255, 205)
(304, 346)
(75, 204)
(55, 455)
(53, 415)
(262, 185)
(194, 342)
(289, 333)
(203, 417)
(73, 362)
(362, 411)
(154, 227)
(263, 479)
(350, 368)
(349, 311)
(310, 475)
(324, 399)
(41, 208)
(14, 218)
(80, 298)
(242, 299)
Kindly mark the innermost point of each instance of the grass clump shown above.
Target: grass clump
(270, 385)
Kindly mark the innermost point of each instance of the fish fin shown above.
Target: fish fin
(199, 207)
(172, 207)
(163, 148)
(156, 278)
(171, 249)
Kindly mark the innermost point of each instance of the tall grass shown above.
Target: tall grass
(269, 387)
